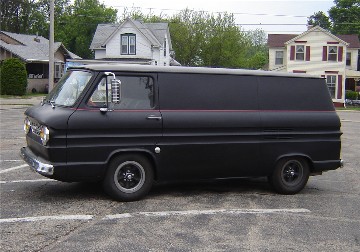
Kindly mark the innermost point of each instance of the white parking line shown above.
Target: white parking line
(208, 212)
(27, 181)
(13, 168)
(345, 120)
(158, 214)
(45, 218)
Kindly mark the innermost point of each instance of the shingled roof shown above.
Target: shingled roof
(155, 32)
(278, 40)
(352, 39)
(30, 47)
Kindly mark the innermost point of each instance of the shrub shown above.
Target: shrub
(13, 77)
(351, 95)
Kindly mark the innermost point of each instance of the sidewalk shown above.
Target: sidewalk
(29, 101)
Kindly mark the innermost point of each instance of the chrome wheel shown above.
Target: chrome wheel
(129, 177)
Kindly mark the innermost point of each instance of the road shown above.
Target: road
(38, 214)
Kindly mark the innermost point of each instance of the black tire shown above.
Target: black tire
(129, 177)
(290, 175)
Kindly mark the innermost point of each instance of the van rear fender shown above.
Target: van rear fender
(306, 157)
(138, 151)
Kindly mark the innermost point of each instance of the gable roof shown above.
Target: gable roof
(154, 32)
(280, 40)
(318, 28)
(31, 47)
(103, 31)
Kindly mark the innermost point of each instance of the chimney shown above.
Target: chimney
(36, 39)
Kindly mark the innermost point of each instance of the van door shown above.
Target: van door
(211, 126)
(97, 130)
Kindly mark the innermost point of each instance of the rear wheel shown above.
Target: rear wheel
(128, 178)
(290, 175)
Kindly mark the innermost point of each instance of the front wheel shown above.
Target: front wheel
(128, 178)
(290, 175)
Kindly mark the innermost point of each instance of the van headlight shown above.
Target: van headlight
(44, 135)
(27, 125)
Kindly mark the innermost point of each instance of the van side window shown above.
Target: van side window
(98, 98)
(137, 92)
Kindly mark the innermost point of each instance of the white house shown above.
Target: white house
(133, 42)
(318, 52)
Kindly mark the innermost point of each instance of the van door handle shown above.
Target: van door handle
(154, 117)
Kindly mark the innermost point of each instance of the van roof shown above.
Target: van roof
(182, 69)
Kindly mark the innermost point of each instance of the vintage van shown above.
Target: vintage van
(129, 126)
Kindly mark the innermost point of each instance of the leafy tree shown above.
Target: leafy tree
(13, 77)
(319, 18)
(77, 25)
(29, 16)
(257, 51)
(203, 39)
(225, 45)
(187, 35)
(43, 9)
(345, 16)
(16, 15)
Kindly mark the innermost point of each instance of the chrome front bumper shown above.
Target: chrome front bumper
(36, 163)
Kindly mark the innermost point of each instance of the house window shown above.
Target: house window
(348, 59)
(164, 47)
(58, 73)
(332, 55)
(128, 44)
(331, 83)
(279, 58)
(300, 52)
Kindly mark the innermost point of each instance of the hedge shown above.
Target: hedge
(13, 77)
(351, 95)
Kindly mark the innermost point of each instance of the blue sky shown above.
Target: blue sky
(284, 13)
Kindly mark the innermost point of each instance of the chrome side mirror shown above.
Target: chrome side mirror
(115, 91)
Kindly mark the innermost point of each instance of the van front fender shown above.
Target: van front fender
(145, 152)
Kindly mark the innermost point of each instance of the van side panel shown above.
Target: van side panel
(297, 94)
(208, 131)
(298, 120)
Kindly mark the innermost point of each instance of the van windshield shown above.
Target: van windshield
(69, 88)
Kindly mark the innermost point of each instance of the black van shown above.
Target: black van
(129, 126)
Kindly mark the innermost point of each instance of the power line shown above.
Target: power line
(219, 12)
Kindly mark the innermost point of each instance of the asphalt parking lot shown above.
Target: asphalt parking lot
(38, 214)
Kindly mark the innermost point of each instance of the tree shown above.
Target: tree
(225, 44)
(257, 51)
(187, 34)
(345, 16)
(29, 16)
(319, 18)
(43, 9)
(203, 39)
(77, 25)
(13, 77)
(17, 15)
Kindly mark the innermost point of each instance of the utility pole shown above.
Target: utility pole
(51, 47)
